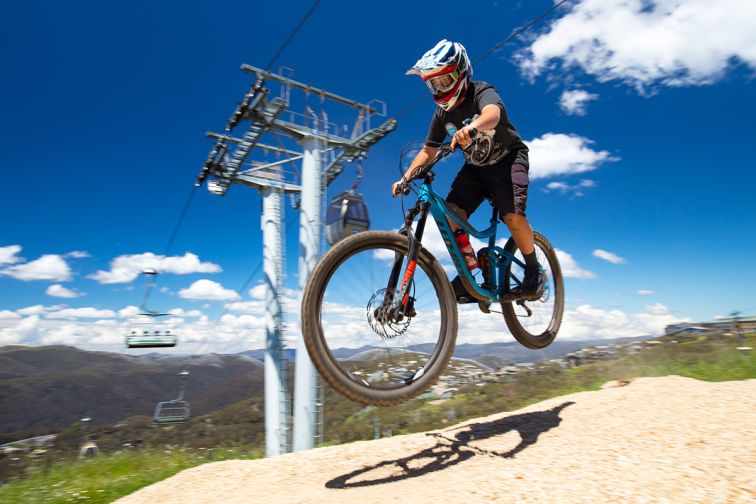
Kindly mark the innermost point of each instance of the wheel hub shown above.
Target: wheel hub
(385, 319)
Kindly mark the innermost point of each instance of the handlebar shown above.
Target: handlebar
(443, 150)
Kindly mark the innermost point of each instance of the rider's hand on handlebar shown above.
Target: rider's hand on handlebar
(399, 186)
(463, 137)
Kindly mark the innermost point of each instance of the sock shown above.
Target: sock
(468, 253)
(531, 261)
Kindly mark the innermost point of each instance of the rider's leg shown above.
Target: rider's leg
(461, 212)
(521, 232)
(463, 239)
(465, 195)
(534, 278)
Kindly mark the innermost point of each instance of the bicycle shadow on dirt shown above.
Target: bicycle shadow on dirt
(449, 451)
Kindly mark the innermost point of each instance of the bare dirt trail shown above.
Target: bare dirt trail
(668, 439)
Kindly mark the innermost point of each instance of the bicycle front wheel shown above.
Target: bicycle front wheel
(363, 354)
(534, 324)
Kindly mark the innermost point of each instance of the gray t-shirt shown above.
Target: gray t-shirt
(493, 145)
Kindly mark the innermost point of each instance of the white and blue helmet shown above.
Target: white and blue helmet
(447, 71)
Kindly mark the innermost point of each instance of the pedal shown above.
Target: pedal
(466, 300)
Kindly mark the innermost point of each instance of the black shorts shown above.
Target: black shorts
(505, 183)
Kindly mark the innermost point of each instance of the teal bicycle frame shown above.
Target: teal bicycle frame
(498, 258)
(497, 287)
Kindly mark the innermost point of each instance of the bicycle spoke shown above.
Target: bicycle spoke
(376, 354)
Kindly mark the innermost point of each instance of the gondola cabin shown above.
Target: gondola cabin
(347, 214)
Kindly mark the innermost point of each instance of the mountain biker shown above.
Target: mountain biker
(496, 165)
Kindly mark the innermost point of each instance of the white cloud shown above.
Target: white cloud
(77, 254)
(563, 154)
(609, 257)
(575, 190)
(128, 312)
(230, 335)
(48, 267)
(570, 267)
(587, 321)
(9, 254)
(258, 291)
(7, 314)
(647, 42)
(38, 309)
(31, 310)
(207, 289)
(246, 307)
(19, 331)
(657, 309)
(125, 268)
(87, 312)
(645, 292)
(180, 312)
(57, 290)
(575, 102)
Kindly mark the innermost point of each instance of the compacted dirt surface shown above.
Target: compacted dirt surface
(668, 439)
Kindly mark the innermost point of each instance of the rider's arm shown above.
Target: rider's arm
(436, 135)
(426, 154)
(489, 117)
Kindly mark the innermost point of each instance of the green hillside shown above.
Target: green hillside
(237, 431)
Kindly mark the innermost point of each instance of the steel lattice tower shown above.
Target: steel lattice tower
(228, 163)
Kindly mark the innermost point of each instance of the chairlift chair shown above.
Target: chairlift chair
(347, 214)
(88, 449)
(175, 411)
(148, 329)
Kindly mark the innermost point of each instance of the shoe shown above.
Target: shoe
(533, 283)
(461, 293)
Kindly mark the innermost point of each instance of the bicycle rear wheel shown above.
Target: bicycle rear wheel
(534, 324)
(361, 354)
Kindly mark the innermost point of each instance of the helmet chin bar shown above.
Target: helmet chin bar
(453, 98)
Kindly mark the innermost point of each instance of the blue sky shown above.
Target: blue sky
(640, 124)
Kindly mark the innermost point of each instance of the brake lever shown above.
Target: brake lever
(474, 136)
(405, 188)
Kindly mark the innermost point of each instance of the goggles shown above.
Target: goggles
(440, 84)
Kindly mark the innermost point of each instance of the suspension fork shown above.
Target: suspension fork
(415, 238)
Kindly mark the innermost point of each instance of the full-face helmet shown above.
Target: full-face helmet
(447, 72)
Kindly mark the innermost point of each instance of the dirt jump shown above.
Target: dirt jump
(668, 439)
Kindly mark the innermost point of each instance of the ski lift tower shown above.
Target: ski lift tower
(324, 154)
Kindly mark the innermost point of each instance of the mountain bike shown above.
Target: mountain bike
(379, 315)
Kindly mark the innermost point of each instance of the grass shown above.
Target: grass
(109, 477)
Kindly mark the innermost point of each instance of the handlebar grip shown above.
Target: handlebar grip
(473, 132)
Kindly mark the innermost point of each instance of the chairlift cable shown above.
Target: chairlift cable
(520, 30)
(292, 34)
(514, 35)
(180, 221)
(190, 198)
(169, 244)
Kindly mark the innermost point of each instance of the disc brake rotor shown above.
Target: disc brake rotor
(382, 321)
